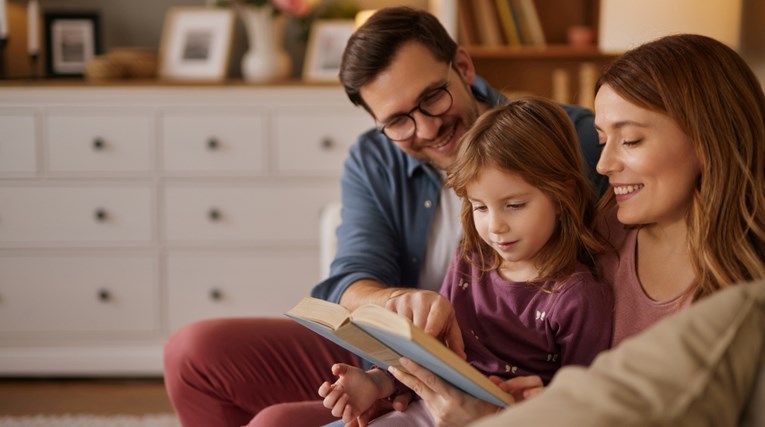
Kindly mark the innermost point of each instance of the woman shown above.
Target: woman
(682, 125)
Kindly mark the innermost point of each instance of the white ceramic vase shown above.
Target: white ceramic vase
(266, 59)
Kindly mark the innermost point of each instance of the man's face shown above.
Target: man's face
(413, 76)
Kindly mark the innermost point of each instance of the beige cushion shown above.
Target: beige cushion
(699, 367)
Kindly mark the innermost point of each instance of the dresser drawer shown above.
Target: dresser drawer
(233, 284)
(42, 294)
(313, 143)
(100, 143)
(227, 144)
(17, 143)
(279, 214)
(54, 215)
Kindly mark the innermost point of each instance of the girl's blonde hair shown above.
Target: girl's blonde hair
(535, 139)
(715, 98)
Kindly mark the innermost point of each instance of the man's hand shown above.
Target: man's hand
(427, 309)
(430, 311)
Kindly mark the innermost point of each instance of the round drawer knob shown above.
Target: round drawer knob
(99, 144)
(101, 215)
(216, 294)
(327, 143)
(214, 214)
(213, 144)
(104, 295)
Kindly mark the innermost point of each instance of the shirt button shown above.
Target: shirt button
(428, 204)
(414, 260)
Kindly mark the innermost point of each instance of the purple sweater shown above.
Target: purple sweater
(514, 329)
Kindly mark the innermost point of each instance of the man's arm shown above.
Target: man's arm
(367, 292)
(369, 238)
(379, 235)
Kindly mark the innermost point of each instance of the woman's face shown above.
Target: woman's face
(650, 163)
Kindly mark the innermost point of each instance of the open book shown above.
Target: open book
(382, 336)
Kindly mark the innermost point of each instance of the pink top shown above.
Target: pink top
(634, 310)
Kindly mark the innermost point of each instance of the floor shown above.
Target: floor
(83, 396)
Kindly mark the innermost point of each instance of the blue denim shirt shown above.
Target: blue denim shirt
(388, 203)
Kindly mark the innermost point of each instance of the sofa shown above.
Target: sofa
(702, 366)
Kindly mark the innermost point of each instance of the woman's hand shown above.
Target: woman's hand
(521, 388)
(447, 405)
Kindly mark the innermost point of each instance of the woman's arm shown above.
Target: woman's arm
(447, 405)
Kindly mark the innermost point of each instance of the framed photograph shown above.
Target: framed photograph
(196, 43)
(326, 43)
(71, 40)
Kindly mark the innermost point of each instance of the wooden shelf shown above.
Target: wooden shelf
(138, 83)
(555, 51)
(559, 70)
(563, 73)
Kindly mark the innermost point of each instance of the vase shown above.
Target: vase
(266, 59)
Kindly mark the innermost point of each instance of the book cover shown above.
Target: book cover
(507, 20)
(488, 23)
(467, 33)
(529, 24)
(382, 336)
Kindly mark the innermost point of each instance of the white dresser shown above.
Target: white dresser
(128, 211)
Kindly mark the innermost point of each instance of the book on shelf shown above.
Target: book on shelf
(487, 22)
(508, 21)
(382, 337)
(528, 22)
(467, 33)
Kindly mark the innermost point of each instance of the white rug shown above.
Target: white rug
(162, 420)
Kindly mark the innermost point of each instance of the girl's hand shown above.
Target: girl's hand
(447, 405)
(381, 407)
(521, 388)
(354, 392)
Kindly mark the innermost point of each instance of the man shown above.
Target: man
(399, 230)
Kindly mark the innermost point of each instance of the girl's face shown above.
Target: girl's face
(513, 217)
(650, 163)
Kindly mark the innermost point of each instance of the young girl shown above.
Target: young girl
(521, 282)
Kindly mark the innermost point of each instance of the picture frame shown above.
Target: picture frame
(72, 38)
(196, 43)
(324, 52)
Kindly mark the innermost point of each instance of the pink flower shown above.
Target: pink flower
(294, 7)
(290, 7)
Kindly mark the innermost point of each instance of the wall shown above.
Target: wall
(127, 23)
(139, 22)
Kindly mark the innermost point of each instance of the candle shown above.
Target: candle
(33, 41)
(3, 20)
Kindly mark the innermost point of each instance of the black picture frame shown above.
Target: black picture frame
(71, 39)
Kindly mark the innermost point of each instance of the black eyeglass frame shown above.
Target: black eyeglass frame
(436, 92)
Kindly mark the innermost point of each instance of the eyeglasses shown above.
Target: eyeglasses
(436, 103)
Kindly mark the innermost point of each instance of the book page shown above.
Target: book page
(325, 313)
(408, 340)
(378, 353)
